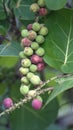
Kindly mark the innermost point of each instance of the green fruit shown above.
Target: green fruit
(43, 31)
(32, 35)
(34, 7)
(31, 93)
(35, 80)
(24, 89)
(33, 68)
(23, 71)
(39, 98)
(41, 3)
(40, 51)
(29, 75)
(36, 26)
(34, 45)
(28, 51)
(25, 80)
(26, 62)
(24, 33)
(40, 39)
(21, 55)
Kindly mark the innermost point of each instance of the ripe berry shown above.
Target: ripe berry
(34, 7)
(33, 68)
(24, 89)
(29, 75)
(29, 27)
(36, 26)
(43, 11)
(24, 33)
(28, 51)
(7, 102)
(32, 35)
(43, 31)
(23, 70)
(26, 42)
(34, 45)
(40, 39)
(26, 62)
(41, 3)
(35, 80)
(40, 51)
(36, 104)
(25, 80)
(35, 59)
(21, 55)
(40, 66)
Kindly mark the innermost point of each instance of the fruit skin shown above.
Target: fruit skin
(35, 59)
(23, 70)
(24, 33)
(43, 31)
(34, 7)
(25, 62)
(26, 42)
(7, 102)
(35, 80)
(29, 27)
(31, 93)
(33, 68)
(40, 67)
(43, 11)
(39, 98)
(21, 55)
(34, 45)
(32, 35)
(40, 39)
(25, 80)
(29, 75)
(36, 26)
(28, 51)
(41, 3)
(24, 89)
(36, 104)
(40, 51)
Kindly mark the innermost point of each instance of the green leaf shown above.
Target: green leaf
(2, 30)
(55, 4)
(54, 127)
(2, 13)
(59, 42)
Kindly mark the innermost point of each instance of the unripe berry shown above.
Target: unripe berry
(32, 35)
(40, 51)
(26, 42)
(29, 75)
(23, 71)
(26, 62)
(36, 104)
(7, 102)
(41, 3)
(35, 80)
(25, 80)
(36, 26)
(43, 31)
(29, 27)
(33, 68)
(40, 39)
(34, 45)
(28, 51)
(39, 98)
(24, 89)
(34, 7)
(31, 93)
(24, 33)
(21, 55)
(41, 66)
(35, 59)
(43, 11)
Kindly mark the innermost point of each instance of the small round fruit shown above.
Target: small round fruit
(23, 70)
(40, 51)
(25, 80)
(25, 62)
(40, 67)
(24, 33)
(24, 89)
(33, 68)
(28, 51)
(31, 93)
(7, 102)
(32, 35)
(39, 98)
(34, 45)
(29, 27)
(43, 11)
(26, 42)
(36, 26)
(34, 7)
(43, 31)
(40, 39)
(35, 80)
(21, 55)
(36, 104)
(29, 75)
(35, 59)
(41, 3)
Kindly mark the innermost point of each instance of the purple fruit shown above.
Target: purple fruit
(25, 42)
(36, 59)
(7, 102)
(36, 104)
(40, 66)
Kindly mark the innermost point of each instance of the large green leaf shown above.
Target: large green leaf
(59, 42)
(55, 4)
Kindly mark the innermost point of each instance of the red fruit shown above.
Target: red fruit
(36, 104)
(29, 27)
(36, 59)
(40, 66)
(26, 42)
(43, 11)
(8, 102)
